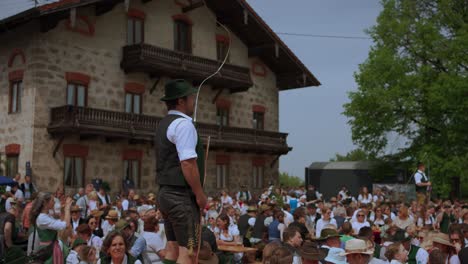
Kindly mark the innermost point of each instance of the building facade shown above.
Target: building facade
(81, 82)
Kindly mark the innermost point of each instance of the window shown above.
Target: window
(222, 50)
(258, 177)
(15, 96)
(258, 120)
(74, 172)
(222, 116)
(133, 103)
(221, 175)
(76, 94)
(182, 36)
(132, 171)
(11, 165)
(135, 30)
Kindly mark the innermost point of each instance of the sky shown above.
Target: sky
(313, 116)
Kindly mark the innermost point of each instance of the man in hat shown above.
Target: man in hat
(28, 187)
(331, 242)
(109, 224)
(75, 217)
(311, 253)
(244, 226)
(292, 240)
(357, 252)
(180, 169)
(415, 253)
(136, 244)
(422, 183)
(442, 242)
(244, 194)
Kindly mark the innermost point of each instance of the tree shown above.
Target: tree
(353, 155)
(290, 181)
(414, 84)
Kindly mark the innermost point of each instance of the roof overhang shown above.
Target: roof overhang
(238, 15)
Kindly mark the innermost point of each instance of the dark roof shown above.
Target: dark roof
(256, 34)
(342, 165)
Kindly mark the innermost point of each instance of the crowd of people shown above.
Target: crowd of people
(285, 225)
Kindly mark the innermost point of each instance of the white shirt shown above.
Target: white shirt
(288, 218)
(357, 226)
(422, 256)
(45, 221)
(321, 223)
(154, 244)
(125, 205)
(19, 195)
(418, 176)
(365, 200)
(72, 257)
(226, 200)
(106, 227)
(125, 261)
(183, 134)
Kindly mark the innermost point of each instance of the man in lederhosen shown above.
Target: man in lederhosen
(422, 183)
(179, 168)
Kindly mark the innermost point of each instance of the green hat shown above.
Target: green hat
(78, 242)
(177, 89)
(121, 225)
(327, 233)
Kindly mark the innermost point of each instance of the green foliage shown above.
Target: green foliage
(290, 181)
(353, 155)
(415, 84)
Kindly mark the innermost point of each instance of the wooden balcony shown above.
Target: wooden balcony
(67, 120)
(165, 62)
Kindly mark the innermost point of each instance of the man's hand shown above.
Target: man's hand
(429, 183)
(201, 200)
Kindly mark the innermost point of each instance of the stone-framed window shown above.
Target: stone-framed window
(182, 33)
(222, 112)
(15, 92)
(132, 166)
(133, 103)
(135, 31)
(77, 89)
(222, 46)
(77, 94)
(258, 172)
(222, 171)
(258, 117)
(74, 169)
(134, 97)
(12, 152)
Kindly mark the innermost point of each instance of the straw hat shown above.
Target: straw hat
(136, 197)
(75, 208)
(206, 255)
(113, 214)
(251, 209)
(357, 246)
(96, 213)
(311, 251)
(264, 208)
(442, 238)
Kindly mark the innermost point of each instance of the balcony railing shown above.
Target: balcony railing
(112, 124)
(160, 61)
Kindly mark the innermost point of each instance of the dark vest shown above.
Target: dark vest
(421, 189)
(259, 227)
(311, 195)
(273, 231)
(243, 224)
(412, 254)
(168, 169)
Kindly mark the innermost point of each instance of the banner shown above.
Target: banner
(397, 192)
